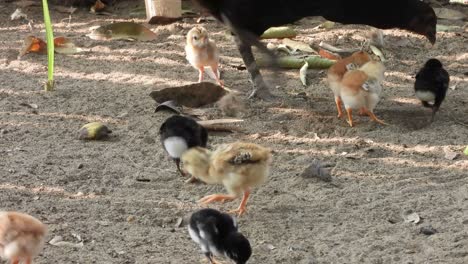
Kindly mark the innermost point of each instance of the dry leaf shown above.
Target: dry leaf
(192, 95)
(97, 7)
(28, 3)
(18, 14)
(412, 218)
(329, 55)
(378, 52)
(65, 46)
(66, 10)
(32, 44)
(450, 155)
(466, 151)
(317, 170)
(451, 14)
(58, 241)
(303, 73)
(327, 25)
(168, 105)
(33, 106)
(122, 30)
(296, 45)
(445, 28)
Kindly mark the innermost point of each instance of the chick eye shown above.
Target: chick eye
(195, 37)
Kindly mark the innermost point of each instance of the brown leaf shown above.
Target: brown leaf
(98, 6)
(34, 45)
(192, 95)
(66, 10)
(329, 55)
(65, 46)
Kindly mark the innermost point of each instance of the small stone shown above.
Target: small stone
(80, 166)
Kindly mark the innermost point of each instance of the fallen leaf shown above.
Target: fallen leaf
(329, 55)
(412, 218)
(342, 52)
(162, 20)
(64, 45)
(296, 45)
(34, 45)
(317, 170)
(378, 52)
(33, 106)
(169, 106)
(327, 25)
(221, 125)
(97, 7)
(58, 241)
(445, 28)
(270, 246)
(18, 14)
(122, 30)
(27, 3)
(278, 32)
(466, 151)
(303, 73)
(66, 10)
(451, 14)
(450, 155)
(192, 95)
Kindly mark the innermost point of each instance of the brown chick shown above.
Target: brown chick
(21, 237)
(338, 70)
(202, 52)
(361, 89)
(238, 166)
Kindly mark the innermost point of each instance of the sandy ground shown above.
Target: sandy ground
(90, 189)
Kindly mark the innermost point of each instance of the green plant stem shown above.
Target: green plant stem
(49, 86)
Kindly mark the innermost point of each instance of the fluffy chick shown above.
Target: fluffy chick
(217, 234)
(431, 85)
(238, 166)
(201, 52)
(21, 237)
(338, 70)
(178, 134)
(361, 89)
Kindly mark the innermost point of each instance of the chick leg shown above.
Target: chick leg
(362, 111)
(201, 71)
(373, 117)
(338, 106)
(216, 72)
(28, 260)
(349, 111)
(15, 260)
(216, 197)
(241, 209)
(211, 259)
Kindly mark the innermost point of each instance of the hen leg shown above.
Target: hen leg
(241, 209)
(216, 198)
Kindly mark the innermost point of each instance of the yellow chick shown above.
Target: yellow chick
(21, 237)
(238, 166)
(202, 52)
(337, 71)
(361, 89)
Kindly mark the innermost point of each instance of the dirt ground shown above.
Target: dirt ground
(90, 190)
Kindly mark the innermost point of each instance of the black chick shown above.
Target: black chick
(431, 85)
(412, 15)
(217, 235)
(178, 134)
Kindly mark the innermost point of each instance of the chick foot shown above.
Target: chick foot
(374, 118)
(216, 198)
(242, 207)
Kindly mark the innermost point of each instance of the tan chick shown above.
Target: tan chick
(238, 166)
(338, 70)
(361, 89)
(202, 52)
(21, 237)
